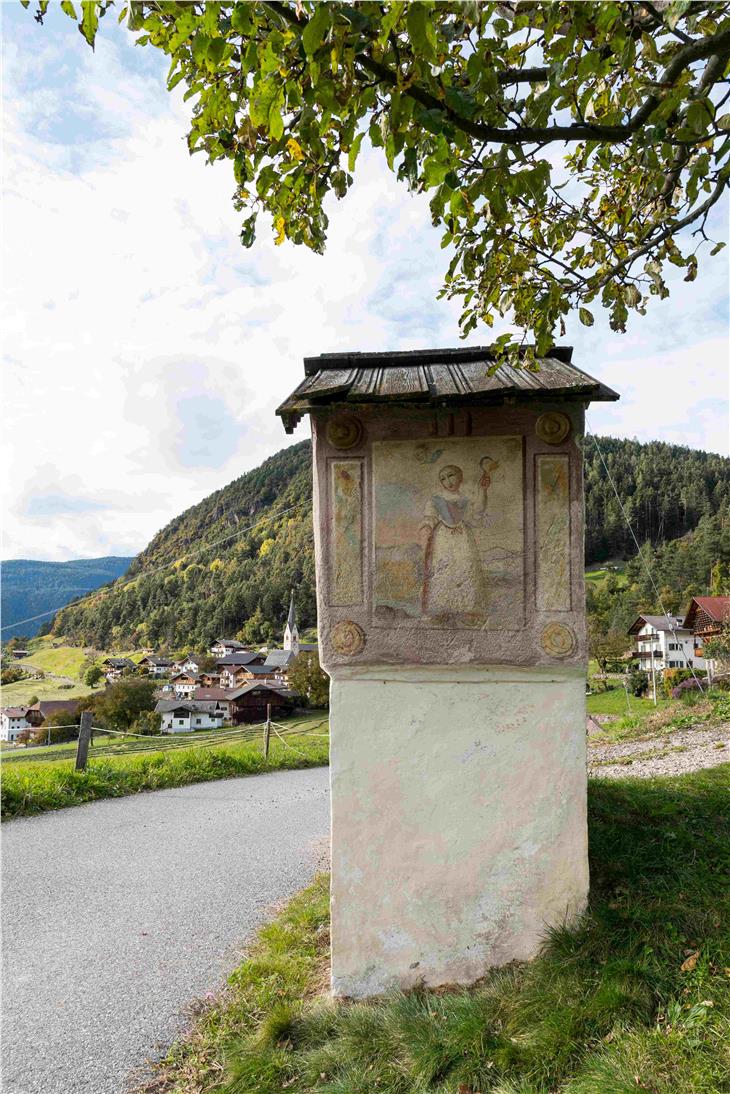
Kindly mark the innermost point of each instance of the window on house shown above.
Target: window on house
(181, 721)
(197, 721)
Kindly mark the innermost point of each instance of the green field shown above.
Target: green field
(634, 998)
(600, 573)
(62, 665)
(615, 702)
(44, 778)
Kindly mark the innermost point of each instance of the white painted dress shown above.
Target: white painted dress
(454, 582)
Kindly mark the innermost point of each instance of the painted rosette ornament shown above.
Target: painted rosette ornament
(558, 640)
(552, 427)
(345, 432)
(348, 638)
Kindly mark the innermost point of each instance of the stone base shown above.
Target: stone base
(458, 820)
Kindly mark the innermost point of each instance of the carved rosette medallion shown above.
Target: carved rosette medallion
(558, 640)
(345, 432)
(348, 638)
(552, 427)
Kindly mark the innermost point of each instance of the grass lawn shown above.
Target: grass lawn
(614, 702)
(33, 782)
(18, 695)
(635, 998)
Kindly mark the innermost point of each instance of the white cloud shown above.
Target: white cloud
(132, 309)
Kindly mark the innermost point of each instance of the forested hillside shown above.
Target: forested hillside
(665, 490)
(225, 567)
(31, 588)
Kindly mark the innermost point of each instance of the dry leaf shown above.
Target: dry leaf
(690, 963)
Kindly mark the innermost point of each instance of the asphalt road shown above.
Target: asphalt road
(118, 914)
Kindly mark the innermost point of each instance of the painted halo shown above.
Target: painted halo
(552, 427)
(348, 638)
(558, 640)
(345, 431)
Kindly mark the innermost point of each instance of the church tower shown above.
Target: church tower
(291, 633)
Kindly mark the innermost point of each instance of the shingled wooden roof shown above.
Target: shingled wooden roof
(436, 377)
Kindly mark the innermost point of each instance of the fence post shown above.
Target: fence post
(267, 731)
(82, 749)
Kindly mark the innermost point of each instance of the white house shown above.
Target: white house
(156, 666)
(223, 646)
(184, 684)
(664, 642)
(187, 663)
(184, 717)
(12, 722)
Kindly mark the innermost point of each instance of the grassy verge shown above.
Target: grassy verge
(33, 787)
(637, 998)
(711, 708)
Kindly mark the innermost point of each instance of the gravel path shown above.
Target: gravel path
(118, 913)
(667, 754)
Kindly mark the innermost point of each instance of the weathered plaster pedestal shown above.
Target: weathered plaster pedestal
(449, 548)
(458, 820)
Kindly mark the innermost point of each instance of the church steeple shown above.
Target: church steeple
(291, 632)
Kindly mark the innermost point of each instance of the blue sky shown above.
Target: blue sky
(146, 351)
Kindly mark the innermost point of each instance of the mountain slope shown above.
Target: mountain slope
(31, 588)
(226, 566)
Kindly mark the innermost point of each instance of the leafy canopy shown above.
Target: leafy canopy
(564, 145)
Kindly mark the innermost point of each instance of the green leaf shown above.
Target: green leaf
(717, 248)
(354, 151)
(585, 317)
(241, 21)
(276, 122)
(723, 122)
(89, 21)
(314, 33)
(420, 30)
(215, 52)
(68, 8)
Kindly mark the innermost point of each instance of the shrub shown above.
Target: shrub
(149, 724)
(638, 682)
(673, 677)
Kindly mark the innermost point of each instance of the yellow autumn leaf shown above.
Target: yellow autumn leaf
(295, 149)
(280, 235)
(690, 963)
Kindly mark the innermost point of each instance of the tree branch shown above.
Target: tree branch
(686, 56)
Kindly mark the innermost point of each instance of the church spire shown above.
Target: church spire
(291, 632)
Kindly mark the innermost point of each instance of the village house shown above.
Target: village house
(37, 714)
(114, 667)
(236, 676)
(12, 722)
(215, 695)
(210, 679)
(249, 703)
(187, 663)
(184, 684)
(223, 646)
(156, 666)
(664, 642)
(185, 716)
(707, 617)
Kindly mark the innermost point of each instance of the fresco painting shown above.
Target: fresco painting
(346, 586)
(449, 533)
(553, 533)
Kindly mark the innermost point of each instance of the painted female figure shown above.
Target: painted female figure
(454, 583)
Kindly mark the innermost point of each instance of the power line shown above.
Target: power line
(157, 569)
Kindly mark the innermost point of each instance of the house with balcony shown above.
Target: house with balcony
(664, 642)
(707, 617)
